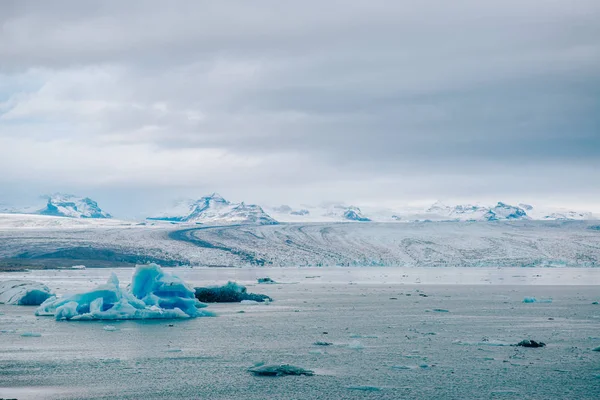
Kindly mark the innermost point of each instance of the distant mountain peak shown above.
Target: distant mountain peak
(353, 213)
(215, 209)
(69, 205)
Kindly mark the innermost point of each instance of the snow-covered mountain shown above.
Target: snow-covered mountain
(214, 209)
(328, 212)
(67, 205)
(338, 212)
(470, 212)
(61, 205)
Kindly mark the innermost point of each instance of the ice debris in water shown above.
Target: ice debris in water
(279, 370)
(110, 328)
(266, 280)
(530, 343)
(31, 334)
(356, 345)
(23, 293)
(231, 292)
(365, 388)
(152, 294)
(534, 300)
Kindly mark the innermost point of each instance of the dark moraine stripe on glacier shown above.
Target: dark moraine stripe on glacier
(187, 235)
(86, 254)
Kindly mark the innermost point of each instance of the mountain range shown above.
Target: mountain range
(216, 210)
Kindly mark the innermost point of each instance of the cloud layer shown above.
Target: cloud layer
(270, 101)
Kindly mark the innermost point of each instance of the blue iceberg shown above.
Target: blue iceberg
(23, 293)
(153, 294)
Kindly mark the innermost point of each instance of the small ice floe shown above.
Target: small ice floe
(534, 300)
(152, 294)
(279, 370)
(530, 343)
(250, 302)
(355, 345)
(493, 343)
(363, 388)
(23, 293)
(403, 367)
(319, 343)
(173, 351)
(110, 328)
(231, 292)
(596, 349)
(357, 336)
(265, 280)
(440, 310)
(31, 334)
(78, 267)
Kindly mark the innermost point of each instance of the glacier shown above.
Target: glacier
(153, 294)
(23, 293)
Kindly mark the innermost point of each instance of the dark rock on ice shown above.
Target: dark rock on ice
(231, 292)
(530, 343)
(279, 370)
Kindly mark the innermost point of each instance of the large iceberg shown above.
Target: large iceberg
(23, 293)
(152, 294)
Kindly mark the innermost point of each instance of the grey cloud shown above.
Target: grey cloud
(323, 94)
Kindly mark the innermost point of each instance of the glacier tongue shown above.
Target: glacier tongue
(153, 294)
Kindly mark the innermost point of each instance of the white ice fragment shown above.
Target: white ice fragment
(110, 328)
(23, 293)
(356, 345)
(78, 267)
(31, 334)
(250, 302)
(152, 294)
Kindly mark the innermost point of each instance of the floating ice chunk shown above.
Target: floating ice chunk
(279, 370)
(78, 267)
(31, 334)
(23, 293)
(530, 343)
(365, 388)
(493, 343)
(356, 345)
(250, 302)
(153, 294)
(403, 367)
(534, 300)
(265, 280)
(231, 292)
(110, 328)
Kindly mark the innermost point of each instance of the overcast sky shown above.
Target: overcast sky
(390, 102)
